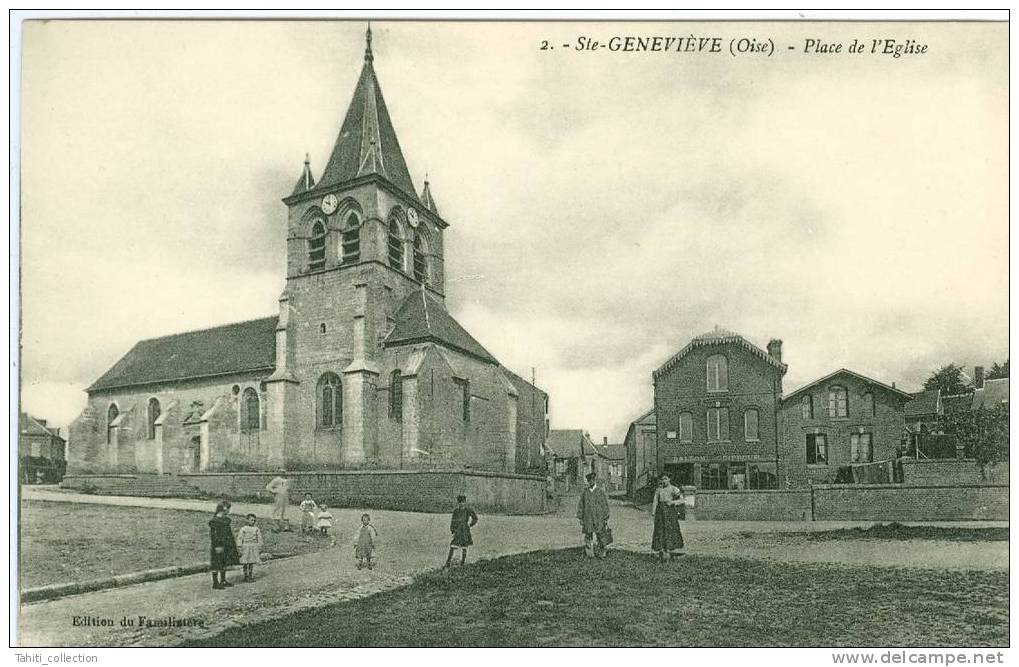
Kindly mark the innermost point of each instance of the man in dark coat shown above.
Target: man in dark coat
(593, 513)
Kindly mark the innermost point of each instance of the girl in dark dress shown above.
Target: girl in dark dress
(460, 526)
(665, 508)
(223, 550)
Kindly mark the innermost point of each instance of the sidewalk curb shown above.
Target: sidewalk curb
(53, 591)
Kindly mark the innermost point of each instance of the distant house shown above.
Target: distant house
(922, 414)
(610, 464)
(41, 450)
(573, 456)
(641, 447)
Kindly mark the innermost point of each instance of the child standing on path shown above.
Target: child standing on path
(460, 526)
(223, 547)
(325, 520)
(249, 539)
(308, 508)
(364, 545)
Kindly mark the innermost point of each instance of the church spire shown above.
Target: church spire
(427, 199)
(306, 181)
(367, 143)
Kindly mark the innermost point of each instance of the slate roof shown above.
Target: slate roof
(993, 394)
(521, 383)
(423, 318)
(612, 452)
(569, 443)
(232, 348)
(846, 371)
(720, 337)
(29, 425)
(367, 142)
(924, 403)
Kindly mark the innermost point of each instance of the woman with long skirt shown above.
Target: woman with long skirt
(665, 507)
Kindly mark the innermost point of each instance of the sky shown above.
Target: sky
(604, 207)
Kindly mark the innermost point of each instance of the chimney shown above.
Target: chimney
(978, 377)
(42, 422)
(775, 349)
(605, 440)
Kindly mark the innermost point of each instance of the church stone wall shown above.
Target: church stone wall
(228, 447)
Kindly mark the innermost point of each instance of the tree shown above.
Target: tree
(948, 379)
(982, 434)
(998, 371)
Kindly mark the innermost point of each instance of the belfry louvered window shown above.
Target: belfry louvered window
(420, 258)
(395, 244)
(317, 247)
(351, 240)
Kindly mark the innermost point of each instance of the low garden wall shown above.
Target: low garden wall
(407, 490)
(760, 505)
(902, 502)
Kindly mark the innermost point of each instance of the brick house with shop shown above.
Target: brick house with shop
(841, 420)
(362, 368)
(716, 407)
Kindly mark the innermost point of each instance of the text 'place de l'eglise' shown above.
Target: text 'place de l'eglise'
(369, 393)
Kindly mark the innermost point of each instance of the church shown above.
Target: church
(363, 369)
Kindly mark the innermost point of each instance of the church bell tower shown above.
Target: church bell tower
(359, 240)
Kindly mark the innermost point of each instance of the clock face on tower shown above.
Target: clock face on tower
(412, 217)
(330, 204)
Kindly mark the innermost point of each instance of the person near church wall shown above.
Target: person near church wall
(593, 513)
(279, 487)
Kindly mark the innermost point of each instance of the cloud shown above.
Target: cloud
(603, 210)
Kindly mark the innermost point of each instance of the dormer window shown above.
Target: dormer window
(317, 247)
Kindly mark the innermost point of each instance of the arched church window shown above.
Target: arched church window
(420, 258)
(317, 247)
(330, 401)
(395, 244)
(111, 414)
(153, 414)
(351, 240)
(396, 395)
(251, 416)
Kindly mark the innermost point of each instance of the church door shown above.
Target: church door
(194, 459)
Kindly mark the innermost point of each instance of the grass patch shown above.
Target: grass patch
(897, 531)
(63, 542)
(559, 598)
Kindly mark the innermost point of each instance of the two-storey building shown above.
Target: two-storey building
(716, 405)
(838, 421)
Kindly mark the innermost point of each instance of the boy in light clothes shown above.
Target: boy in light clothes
(308, 509)
(364, 545)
